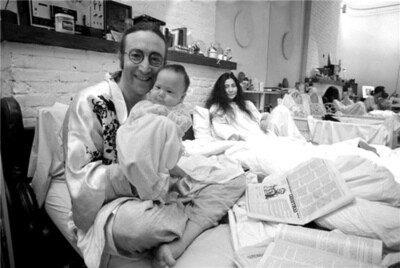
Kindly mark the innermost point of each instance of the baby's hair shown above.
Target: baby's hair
(179, 69)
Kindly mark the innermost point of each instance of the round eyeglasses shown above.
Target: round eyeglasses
(136, 56)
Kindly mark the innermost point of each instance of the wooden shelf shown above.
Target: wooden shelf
(265, 92)
(326, 81)
(35, 35)
(200, 60)
(272, 98)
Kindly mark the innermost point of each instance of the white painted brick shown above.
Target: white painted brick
(324, 27)
(30, 112)
(40, 62)
(19, 74)
(65, 98)
(80, 76)
(21, 87)
(29, 122)
(40, 75)
(6, 83)
(35, 100)
(5, 59)
(6, 89)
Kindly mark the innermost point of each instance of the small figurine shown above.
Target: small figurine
(226, 54)
(194, 48)
(212, 51)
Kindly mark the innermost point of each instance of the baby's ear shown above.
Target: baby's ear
(183, 96)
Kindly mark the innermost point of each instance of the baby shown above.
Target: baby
(149, 143)
(166, 97)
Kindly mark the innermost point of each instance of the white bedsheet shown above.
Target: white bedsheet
(212, 249)
(329, 132)
(373, 179)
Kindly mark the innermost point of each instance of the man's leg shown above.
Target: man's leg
(139, 226)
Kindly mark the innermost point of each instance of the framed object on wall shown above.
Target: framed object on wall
(118, 16)
(287, 45)
(244, 28)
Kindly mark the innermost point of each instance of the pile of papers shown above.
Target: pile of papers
(309, 191)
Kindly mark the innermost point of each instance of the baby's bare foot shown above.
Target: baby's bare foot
(164, 257)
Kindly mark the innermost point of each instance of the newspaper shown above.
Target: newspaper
(296, 246)
(305, 193)
(249, 257)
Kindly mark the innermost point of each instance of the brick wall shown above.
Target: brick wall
(38, 76)
(323, 35)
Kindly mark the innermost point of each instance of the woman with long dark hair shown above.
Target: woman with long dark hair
(231, 115)
(223, 98)
(332, 104)
(235, 118)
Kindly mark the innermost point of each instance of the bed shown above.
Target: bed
(211, 249)
(374, 180)
(214, 248)
(376, 127)
(377, 130)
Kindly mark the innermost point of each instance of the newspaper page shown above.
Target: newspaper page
(352, 247)
(249, 257)
(286, 254)
(309, 191)
(232, 227)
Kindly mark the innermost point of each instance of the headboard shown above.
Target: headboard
(34, 236)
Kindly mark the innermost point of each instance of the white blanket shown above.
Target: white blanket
(371, 178)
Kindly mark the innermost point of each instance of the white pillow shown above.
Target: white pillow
(202, 124)
(47, 155)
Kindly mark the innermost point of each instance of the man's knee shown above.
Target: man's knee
(141, 225)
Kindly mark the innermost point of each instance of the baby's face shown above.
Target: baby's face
(169, 88)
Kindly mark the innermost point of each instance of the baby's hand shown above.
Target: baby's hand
(164, 257)
(158, 109)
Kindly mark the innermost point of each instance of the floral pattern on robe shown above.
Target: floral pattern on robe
(90, 129)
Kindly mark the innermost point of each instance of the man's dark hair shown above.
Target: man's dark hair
(142, 26)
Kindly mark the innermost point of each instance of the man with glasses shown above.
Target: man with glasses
(112, 231)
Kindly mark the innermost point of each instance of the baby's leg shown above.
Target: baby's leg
(213, 202)
(205, 210)
(147, 149)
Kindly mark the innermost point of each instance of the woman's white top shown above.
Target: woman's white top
(238, 127)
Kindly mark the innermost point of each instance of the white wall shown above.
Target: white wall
(285, 17)
(252, 60)
(323, 34)
(369, 44)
